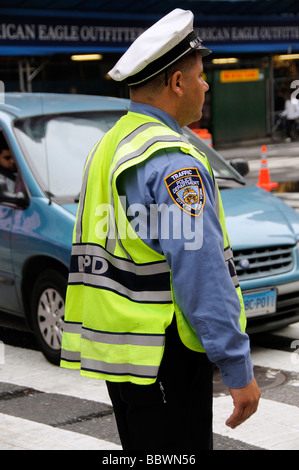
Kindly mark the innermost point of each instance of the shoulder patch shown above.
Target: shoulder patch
(186, 190)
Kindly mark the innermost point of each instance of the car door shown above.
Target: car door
(8, 206)
(8, 299)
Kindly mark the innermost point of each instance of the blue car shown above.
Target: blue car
(49, 137)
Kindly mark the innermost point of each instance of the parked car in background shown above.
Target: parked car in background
(50, 136)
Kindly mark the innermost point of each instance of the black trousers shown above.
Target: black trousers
(291, 128)
(173, 414)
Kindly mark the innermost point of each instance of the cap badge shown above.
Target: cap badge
(195, 43)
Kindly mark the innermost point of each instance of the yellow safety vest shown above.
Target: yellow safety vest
(119, 299)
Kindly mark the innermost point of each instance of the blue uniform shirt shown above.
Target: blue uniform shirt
(194, 251)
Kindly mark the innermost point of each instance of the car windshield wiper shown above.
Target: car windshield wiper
(50, 196)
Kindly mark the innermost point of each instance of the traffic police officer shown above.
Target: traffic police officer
(152, 305)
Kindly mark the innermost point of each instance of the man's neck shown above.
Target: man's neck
(156, 113)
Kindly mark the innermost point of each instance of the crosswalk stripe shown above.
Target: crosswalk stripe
(275, 426)
(274, 359)
(18, 369)
(290, 331)
(22, 434)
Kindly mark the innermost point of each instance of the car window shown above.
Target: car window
(56, 147)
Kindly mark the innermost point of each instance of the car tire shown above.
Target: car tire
(47, 312)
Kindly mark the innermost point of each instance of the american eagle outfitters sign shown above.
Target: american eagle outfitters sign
(74, 33)
(41, 33)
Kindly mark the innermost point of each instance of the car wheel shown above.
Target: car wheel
(47, 310)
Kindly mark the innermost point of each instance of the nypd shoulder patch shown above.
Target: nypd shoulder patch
(186, 190)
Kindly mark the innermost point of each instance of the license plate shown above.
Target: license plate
(260, 303)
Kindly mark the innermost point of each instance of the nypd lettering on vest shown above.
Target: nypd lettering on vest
(97, 265)
(93, 266)
(186, 190)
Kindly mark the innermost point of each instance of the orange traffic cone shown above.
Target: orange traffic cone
(205, 135)
(264, 176)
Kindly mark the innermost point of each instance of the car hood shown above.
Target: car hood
(72, 208)
(257, 218)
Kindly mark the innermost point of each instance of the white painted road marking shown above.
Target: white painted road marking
(275, 426)
(22, 434)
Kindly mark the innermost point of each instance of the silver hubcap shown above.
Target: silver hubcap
(50, 315)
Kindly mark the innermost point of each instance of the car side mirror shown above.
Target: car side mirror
(240, 165)
(18, 199)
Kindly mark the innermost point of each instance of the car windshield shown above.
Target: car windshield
(56, 148)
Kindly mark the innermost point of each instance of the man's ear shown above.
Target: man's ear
(176, 82)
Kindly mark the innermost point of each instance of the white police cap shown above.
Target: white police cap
(164, 43)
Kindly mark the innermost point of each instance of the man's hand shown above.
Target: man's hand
(246, 402)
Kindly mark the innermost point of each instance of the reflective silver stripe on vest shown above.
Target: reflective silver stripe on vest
(94, 365)
(228, 253)
(109, 284)
(216, 192)
(102, 367)
(123, 338)
(118, 338)
(145, 146)
(72, 327)
(70, 356)
(217, 208)
(137, 131)
(228, 257)
(82, 196)
(139, 269)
